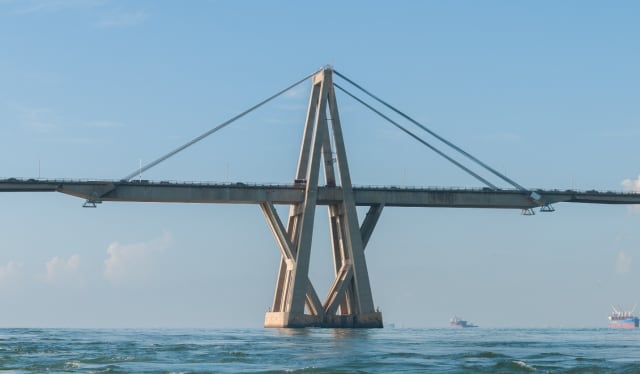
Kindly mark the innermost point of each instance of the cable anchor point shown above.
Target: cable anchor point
(547, 208)
(92, 201)
(528, 212)
(89, 204)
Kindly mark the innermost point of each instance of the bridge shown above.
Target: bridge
(349, 300)
(288, 194)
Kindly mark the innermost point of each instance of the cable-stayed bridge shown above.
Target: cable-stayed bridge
(349, 300)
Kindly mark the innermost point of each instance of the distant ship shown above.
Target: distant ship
(620, 319)
(459, 323)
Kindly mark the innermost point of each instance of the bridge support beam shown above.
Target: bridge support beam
(349, 302)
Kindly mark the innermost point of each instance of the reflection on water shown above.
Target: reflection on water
(305, 331)
(320, 332)
(350, 333)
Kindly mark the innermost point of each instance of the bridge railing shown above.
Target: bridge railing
(289, 185)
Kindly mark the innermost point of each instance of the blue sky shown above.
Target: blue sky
(545, 92)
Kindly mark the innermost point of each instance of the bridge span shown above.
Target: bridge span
(95, 192)
(349, 300)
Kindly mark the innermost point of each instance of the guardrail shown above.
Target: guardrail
(288, 185)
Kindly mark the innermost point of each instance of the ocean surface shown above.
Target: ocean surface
(389, 350)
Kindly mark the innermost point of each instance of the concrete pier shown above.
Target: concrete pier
(289, 320)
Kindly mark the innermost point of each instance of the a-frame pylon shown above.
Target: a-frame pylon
(349, 302)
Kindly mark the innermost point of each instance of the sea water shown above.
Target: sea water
(390, 350)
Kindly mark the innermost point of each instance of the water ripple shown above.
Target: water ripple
(318, 351)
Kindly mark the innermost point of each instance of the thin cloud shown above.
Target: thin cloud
(60, 270)
(619, 132)
(41, 120)
(297, 92)
(47, 123)
(132, 262)
(123, 20)
(9, 273)
(292, 107)
(502, 137)
(103, 124)
(623, 263)
(49, 6)
(632, 185)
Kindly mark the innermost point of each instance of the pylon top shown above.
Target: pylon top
(325, 72)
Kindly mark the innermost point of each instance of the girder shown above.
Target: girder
(241, 193)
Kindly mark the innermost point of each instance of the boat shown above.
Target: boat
(459, 323)
(621, 319)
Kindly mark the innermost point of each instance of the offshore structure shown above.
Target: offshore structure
(349, 301)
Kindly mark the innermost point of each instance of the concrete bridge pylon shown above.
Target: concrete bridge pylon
(349, 302)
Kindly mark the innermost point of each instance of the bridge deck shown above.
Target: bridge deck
(241, 193)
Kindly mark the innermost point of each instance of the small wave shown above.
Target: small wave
(313, 369)
(484, 354)
(238, 354)
(524, 365)
(548, 355)
(236, 357)
(184, 347)
(403, 355)
(589, 359)
(509, 366)
(72, 365)
(602, 369)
